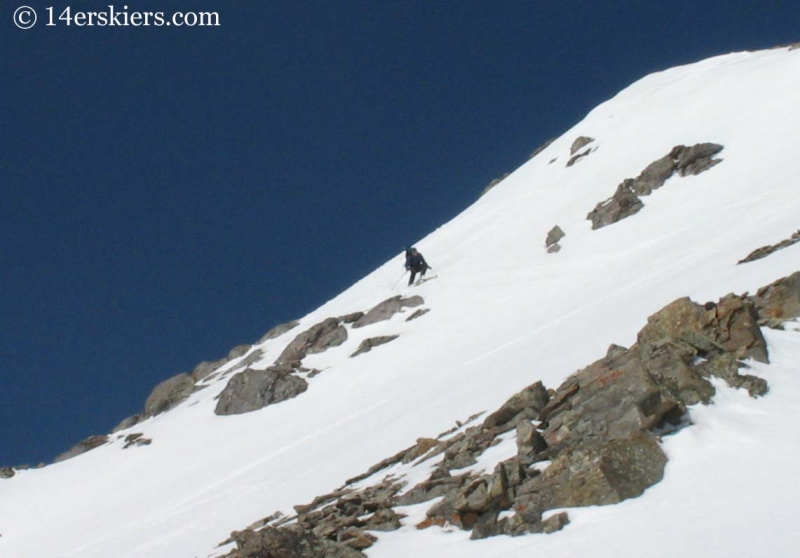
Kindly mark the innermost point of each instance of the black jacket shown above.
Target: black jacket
(415, 262)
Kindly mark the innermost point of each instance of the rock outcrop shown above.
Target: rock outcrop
(625, 202)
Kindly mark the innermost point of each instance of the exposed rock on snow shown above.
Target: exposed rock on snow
(136, 439)
(367, 344)
(579, 143)
(255, 389)
(625, 201)
(388, 308)
(765, 251)
(598, 474)
(6, 472)
(82, 447)
(319, 338)
(418, 314)
(779, 301)
(293, 541)
(553, 237)
(350, 318)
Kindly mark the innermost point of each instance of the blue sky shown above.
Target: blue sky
(169, 193)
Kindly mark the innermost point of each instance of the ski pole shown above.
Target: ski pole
(399, 278)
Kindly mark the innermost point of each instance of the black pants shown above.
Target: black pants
(414, 270)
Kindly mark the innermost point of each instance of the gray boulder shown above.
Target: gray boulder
(252, 390)
(6, 472)
(168, 394)
(554, 236)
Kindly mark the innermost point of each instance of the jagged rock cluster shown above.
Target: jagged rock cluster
(592, 441)
(626, 200)
(765, 251)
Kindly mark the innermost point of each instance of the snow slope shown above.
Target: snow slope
(503, 315)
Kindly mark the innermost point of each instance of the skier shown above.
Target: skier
(415, 263)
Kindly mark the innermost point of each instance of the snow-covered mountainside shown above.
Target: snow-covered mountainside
(503, 313)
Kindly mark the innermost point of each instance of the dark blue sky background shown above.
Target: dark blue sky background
(169, 193)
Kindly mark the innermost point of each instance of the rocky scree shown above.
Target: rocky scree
(592, 441)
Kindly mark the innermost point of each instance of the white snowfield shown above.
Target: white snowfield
(503, 314)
